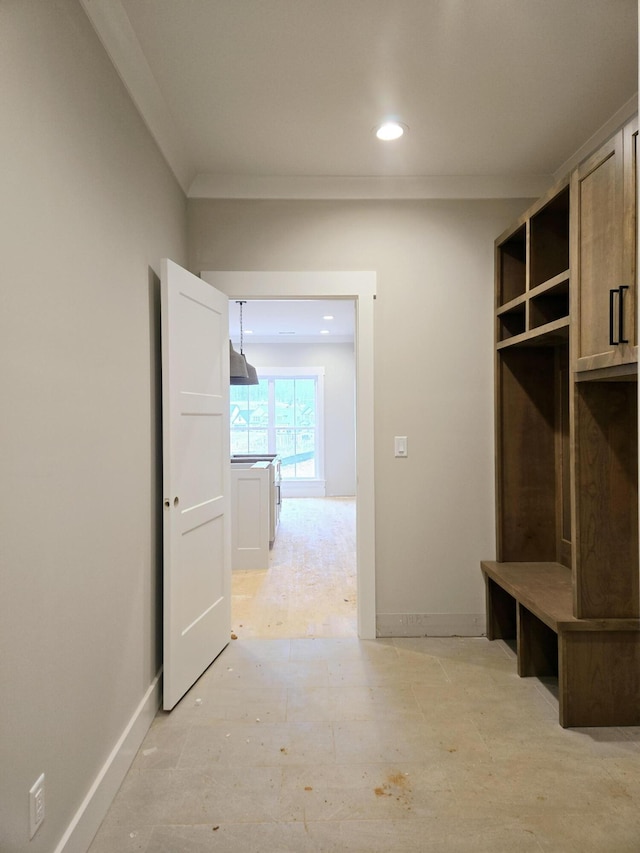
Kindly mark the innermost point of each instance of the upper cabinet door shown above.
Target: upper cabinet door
(604, 201)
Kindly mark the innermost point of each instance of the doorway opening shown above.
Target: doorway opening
(359, 287)
(300, 421)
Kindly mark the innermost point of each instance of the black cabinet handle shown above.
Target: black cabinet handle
(621, 339)
(612, 296)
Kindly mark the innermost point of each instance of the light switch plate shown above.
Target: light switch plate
(401, 445)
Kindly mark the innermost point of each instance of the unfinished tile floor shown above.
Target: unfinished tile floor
(289, 745)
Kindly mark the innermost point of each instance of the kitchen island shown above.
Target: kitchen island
(255, 509)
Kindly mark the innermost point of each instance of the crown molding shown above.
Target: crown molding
(386, 187)
(113, 28)
(601, 135)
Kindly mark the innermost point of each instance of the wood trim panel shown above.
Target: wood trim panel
(599, 679)
(606, 500)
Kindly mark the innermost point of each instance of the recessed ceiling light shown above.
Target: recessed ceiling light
(324, 331)
(248, 331)
(328, 317)
(390, 130)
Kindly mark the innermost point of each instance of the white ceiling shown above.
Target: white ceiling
(292, 321)
(279, 97)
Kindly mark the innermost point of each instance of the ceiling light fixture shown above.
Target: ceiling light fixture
(328, 317)
(238, 376)
(324, 331)
(237, 365)
(390, 130)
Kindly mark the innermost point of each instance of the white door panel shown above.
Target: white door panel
(195, 390)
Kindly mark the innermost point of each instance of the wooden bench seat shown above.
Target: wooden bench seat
(597, 661)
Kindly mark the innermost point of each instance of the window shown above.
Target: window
(283, 415)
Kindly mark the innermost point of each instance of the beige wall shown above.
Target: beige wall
(433, 374)
(88, 209)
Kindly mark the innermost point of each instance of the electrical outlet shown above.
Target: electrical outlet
(36, 806)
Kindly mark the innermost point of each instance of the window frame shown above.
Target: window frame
(270, 374)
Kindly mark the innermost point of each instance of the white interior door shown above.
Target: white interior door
(196, 477)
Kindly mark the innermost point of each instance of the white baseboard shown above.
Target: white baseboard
(303, 488)
(86, 821)
(430, 625)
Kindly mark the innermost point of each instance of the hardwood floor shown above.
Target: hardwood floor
(309, 589)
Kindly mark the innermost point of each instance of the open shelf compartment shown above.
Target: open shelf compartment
(512, 321)
(512, 266)
(550, 304)
(549, 248)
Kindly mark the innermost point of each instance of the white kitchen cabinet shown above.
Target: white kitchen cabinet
(250, 515)
(275, 492)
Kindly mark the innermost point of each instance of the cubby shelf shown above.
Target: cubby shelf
(551, 334)
(540, 311)
(549, 238)
(512, 265)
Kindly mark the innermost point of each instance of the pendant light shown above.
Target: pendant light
(237, 364)
(250, 375)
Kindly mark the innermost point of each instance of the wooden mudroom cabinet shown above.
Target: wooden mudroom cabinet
(565, 585)
(603, 191)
